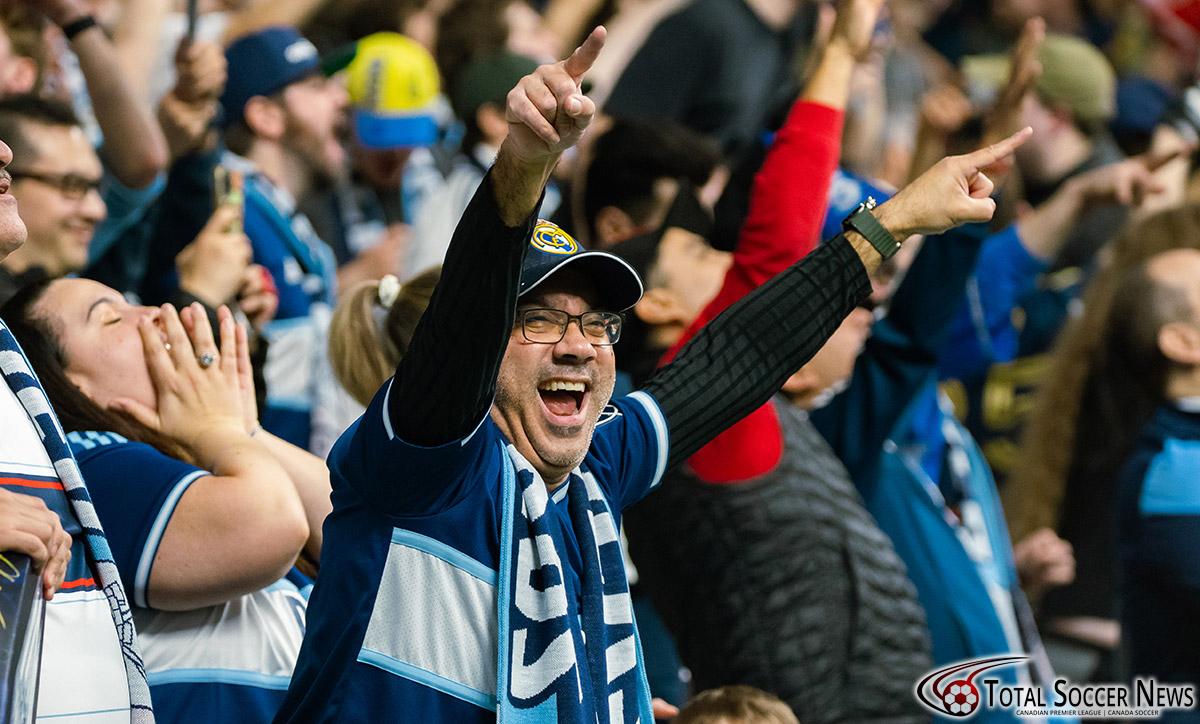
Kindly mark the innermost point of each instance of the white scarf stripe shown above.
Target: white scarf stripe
(24, 384)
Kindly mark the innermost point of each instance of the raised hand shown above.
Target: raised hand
(1128, 182)
(200, 71)
(197, 383)
(258, 297)
(547, 112)
(955, 191)
(944, 110)
(212, 267)
(186, 112)
(1004, 118)
(1043, 561)
(854, 27)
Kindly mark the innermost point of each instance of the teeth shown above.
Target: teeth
(559, 385)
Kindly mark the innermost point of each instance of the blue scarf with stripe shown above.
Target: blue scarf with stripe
(560, 661)
(24, 384)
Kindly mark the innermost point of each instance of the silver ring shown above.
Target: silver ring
(206, 360)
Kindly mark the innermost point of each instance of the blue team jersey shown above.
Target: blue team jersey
(305, 274)
(1158, 516)
(403, 623)
(229, 662)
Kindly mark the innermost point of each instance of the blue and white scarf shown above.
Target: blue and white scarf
(543, 638)
(21, 380)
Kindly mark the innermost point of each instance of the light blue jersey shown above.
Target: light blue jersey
(224, 663)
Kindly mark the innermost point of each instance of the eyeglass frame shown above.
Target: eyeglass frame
(577, 318)
(57, 181)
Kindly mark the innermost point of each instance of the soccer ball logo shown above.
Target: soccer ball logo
(961, 697)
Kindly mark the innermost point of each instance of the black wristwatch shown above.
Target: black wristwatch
(861, 220)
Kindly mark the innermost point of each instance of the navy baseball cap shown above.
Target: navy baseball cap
(264, 63)
(551, 249)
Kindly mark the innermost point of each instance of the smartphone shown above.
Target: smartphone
(227, 188)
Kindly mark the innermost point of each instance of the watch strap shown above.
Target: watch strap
(75, 27)
(865, 223)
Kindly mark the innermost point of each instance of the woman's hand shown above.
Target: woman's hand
(197, 383)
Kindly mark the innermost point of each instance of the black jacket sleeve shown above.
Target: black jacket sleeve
(445, 383)
(738, 360)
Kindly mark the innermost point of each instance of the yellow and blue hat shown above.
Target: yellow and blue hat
(551, 249)
(393, 86)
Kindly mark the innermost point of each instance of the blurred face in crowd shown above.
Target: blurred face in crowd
(690, 271)
(314, 109)
(98, 334)
(549, 396)
(12, 229)
(58, 190)
(528, 36)
(831, 367)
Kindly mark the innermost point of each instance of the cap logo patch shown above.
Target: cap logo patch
(553, 240)
(300, 51)
(374, 83)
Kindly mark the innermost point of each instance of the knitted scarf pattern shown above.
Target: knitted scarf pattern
(544, 635)
(21, 380)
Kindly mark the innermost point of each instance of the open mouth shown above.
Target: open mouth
(563, 398)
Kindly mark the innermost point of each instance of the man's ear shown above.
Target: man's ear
(1180, 343)
(265, 118)
(612, 226)
(659, 306)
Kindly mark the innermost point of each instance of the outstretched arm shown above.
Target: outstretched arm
(787, 207)
(982, 332)
(457, 347)
(134, 149)
(743, 356)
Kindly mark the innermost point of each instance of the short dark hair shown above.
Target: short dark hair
(19, 110)
(238, 136)
(633, 154)
(1142, 306)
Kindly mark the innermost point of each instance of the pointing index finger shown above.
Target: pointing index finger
(583, 57)
(985, 157)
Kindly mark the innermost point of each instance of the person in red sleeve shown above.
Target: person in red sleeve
(758, 552)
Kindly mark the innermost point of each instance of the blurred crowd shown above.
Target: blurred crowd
(236, 212)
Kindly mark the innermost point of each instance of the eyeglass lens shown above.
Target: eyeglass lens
(550, 325)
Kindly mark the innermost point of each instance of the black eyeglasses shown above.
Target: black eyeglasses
(71, 185)
(549, 326)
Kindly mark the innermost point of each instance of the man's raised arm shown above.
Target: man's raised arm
(134, 149)
(444, 385)
(741, 358)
